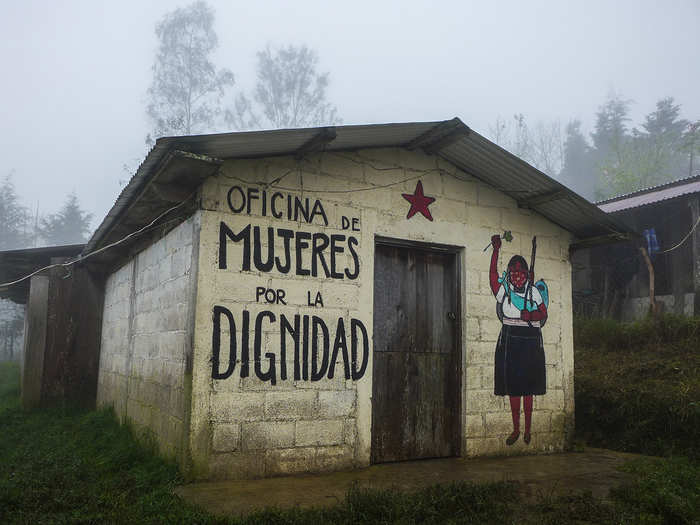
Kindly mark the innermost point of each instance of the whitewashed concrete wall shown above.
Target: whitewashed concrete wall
(637, 308)
(146, 338)
(247, 427)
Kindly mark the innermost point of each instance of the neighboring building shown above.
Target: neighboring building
(321, 299)
(61, 325)
(614, 281)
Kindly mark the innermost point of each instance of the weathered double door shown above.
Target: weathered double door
(416, 370)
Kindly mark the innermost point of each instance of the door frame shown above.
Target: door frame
(460, 301)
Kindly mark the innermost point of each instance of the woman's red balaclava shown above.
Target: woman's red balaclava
(517, 272)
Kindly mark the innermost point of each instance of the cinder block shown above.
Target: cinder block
(253, 384)
(552, 400)
(554, 376)
(267, 434)
(236, 465)
(337, 382)
(291, 405)
(562, 422)
(490, 329)
(486, 217)
(237, 406)
(460, 189)
(345, 296)
(517, 219)
(333, 404)
(498, 423)
(289, 461)
(480, 353)
(489, 196)
(350, 432)
(473, 333)
(552, 353)
(480, 401)
(344, 165)
(446, 209)
(487, 377)
(333, 458)
(541, 421)
(548, 442)
(481, 306)
(234, 286)
(226, 437)
(551, 334)
(319, 432)
(474, 426)
(474, 377)
(488, 446)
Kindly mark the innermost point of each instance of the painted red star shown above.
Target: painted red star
(419, 202)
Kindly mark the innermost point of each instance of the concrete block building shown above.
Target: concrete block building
(616, 282)
(321, 299)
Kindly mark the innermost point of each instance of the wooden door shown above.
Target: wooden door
(415, 386)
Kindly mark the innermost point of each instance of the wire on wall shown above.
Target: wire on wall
(150, 226)
(418, 173)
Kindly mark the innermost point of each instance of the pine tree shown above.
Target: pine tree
(577, 164)
(611, 133)
(661, 143)
(613, 152)
(70, 225)
(14, 217)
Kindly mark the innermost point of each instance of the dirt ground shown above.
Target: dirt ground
(594, 469)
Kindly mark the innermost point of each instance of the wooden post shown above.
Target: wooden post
(694, 204)
(32, 366)
(650, 267)
(73, 337)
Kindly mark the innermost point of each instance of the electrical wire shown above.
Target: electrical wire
(274, 184)
(363, 162)
(354, 190)
(81, 258)
(682, 241)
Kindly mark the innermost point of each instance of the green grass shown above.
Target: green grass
(9, 385)
(636, 388)
(638, 385)
(69, 466)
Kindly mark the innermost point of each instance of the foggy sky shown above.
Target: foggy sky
(75, 73)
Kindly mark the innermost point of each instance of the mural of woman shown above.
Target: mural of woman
(519, 360)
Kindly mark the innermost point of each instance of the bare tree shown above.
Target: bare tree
(548, 147)
(289, 93)
(187, 88)
(541, 145)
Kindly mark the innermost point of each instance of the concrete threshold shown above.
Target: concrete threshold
(595, 470)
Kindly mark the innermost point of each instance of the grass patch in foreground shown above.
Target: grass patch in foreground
(74, 466)
(9, 385)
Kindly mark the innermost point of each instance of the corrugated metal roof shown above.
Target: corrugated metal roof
(450, 139)
(646, 196)
(15, 264)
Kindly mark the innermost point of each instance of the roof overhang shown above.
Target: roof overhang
(176, 166)
(16, 264)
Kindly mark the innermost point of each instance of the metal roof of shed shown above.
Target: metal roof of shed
(16, 264)
(663, 192)
(451, 139)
